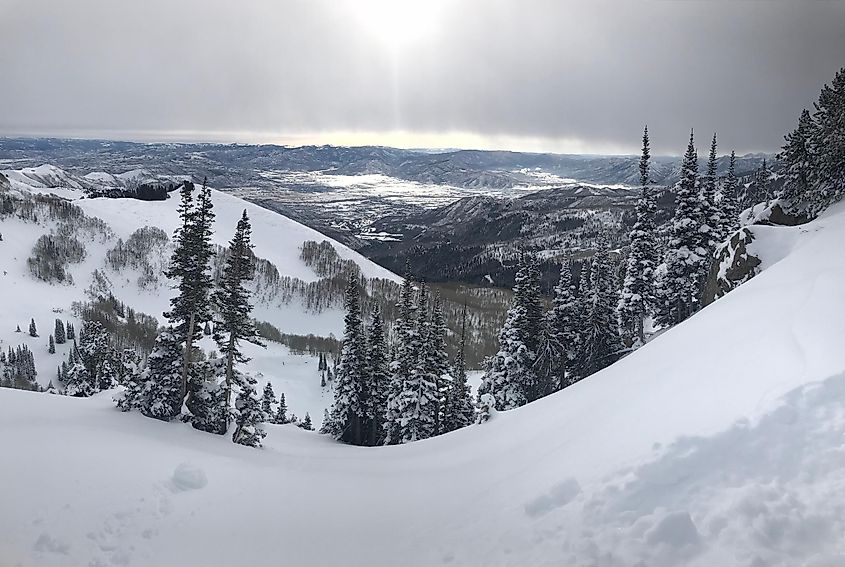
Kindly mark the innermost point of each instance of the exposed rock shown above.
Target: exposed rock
(733, 266)
(778, 216)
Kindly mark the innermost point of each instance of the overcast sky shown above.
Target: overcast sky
(540, 75)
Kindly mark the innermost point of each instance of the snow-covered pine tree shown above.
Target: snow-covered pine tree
(231, 300)
(378, 378)
(51, 345)
(510, 376)
(206, 405)
(414, 409)
(59, 333)
(637, 297)
(129, 364)
(51, 389)
(434, 361)
(678, 285)
(827, 145)
(33, 332)
(729, 203)
(763, 180)
(189, 267)
(70, 331)
(134, 386)
(601, 339)
(405, 356)
(306, 423)
(710, 220)
(96, 353)
(797, 161)
(459, 410)
(348, 417)
(249, 418)
(162, 377)
(268, 400)
(78, 382)
(281, 416)
(563, 325)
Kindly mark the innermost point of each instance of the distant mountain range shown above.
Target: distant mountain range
(241, 165)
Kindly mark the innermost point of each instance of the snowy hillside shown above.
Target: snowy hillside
(718, 443)
(277, 239)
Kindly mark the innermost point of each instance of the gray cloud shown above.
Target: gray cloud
(590, 72)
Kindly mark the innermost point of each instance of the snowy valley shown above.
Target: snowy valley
(730, 453)
(422, 283)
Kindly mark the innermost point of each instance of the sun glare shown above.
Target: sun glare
(398, 23)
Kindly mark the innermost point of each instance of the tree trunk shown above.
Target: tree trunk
(641, 330)
(186, 361)
(230, 364)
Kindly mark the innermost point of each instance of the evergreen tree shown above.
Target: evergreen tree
(679, 285)
(797, 160)
(60, 332)
(459, 411)
(601, 340)
(231, 299)
(207, 329)
(637, 298)
(267, 400)
(70, 333)
(510, 376)
(78, 382)
(51, 345)
(189, 266)
(729, 204)
(162, 377)
(762, 185)
(32, 330)
(413, 410)
(51, 389)
(563, 324)
(306, 423)
(348, 418)
(827, 145)
(378, 378)
(433, 364)
(134, 387)
(281, 416)
(404, 359)
(710, 219)
(207, 403)
(248, 415)
(101, 361)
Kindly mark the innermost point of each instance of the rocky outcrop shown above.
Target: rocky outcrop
(733, 265)
(780, 217)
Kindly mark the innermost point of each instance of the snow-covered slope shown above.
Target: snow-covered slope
(276, 239)
(719, 443)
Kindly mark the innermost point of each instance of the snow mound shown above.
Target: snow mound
(187, 477)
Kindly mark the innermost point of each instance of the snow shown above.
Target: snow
(718, 443)
(276, 238)
(187, 477)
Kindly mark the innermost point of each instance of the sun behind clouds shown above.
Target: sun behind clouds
(397, 23)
